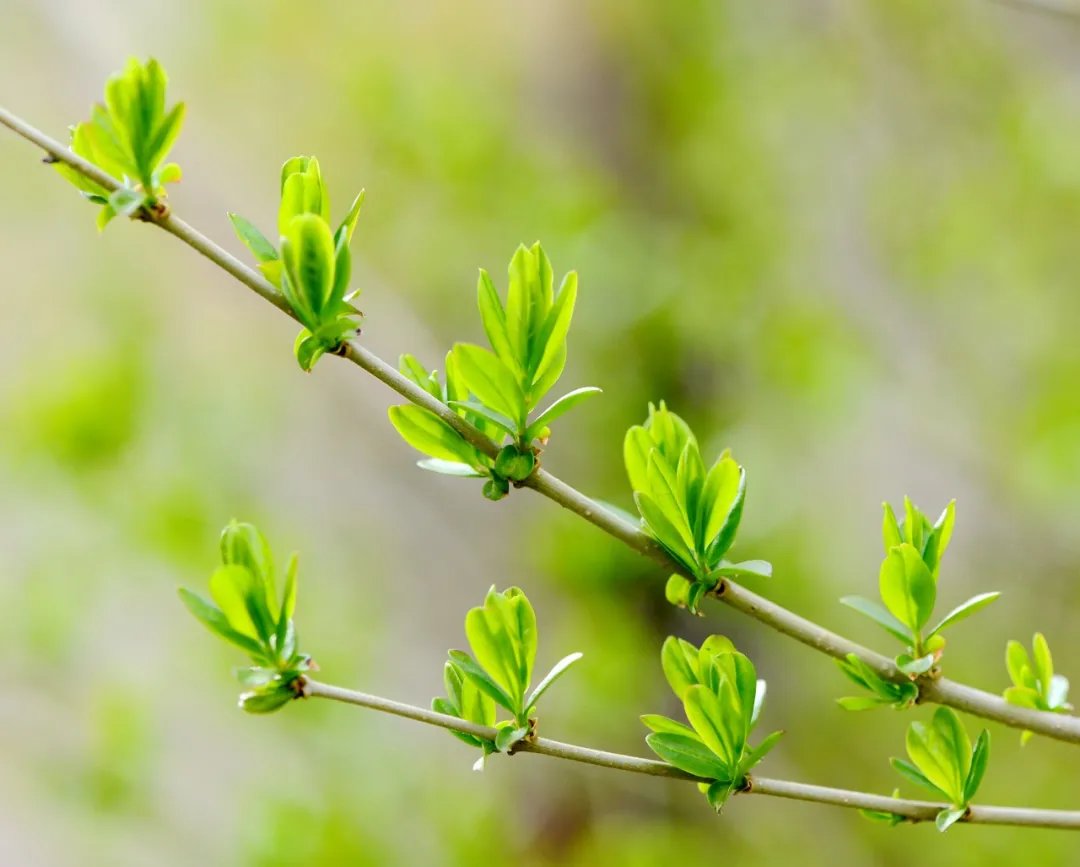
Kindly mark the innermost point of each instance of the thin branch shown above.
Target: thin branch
(940, 691)
(912, 811)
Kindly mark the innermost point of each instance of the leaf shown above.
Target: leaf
(752, 568)
(508, 735)
(557, 671)
(1022, 696)
(938, 540)
(715, 723)
(914, 775)
(936, 763)
(947, 818)
(490, 380)
(549, 354)
(857, 703)
(911, 666)
(561, 406)
(482, 680)
(980, 756)
(754, 756)
(348, 224)
(907, 587)
(662, 724)
(493, 317)
(678, 658)
(165, 136)
(485, 414)
(253, 239)
(669, 498)
(429, 434)
(1016, 661)
(687, 754)
(890, 529)
(233, 588)
(449, 468)
(307, 250)
(725, 485)
(637, 446)
(214, 620)
(663, 530)
(879, 614)
(964, 609)
(288, 602)
(266, 702)
(1044, 662)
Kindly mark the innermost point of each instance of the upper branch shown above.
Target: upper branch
(941, 691)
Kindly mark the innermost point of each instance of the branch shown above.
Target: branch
(912, 811)
(940, 691)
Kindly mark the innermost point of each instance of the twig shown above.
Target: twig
(912, 811)
(940, 691)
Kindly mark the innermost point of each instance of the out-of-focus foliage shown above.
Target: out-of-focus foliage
(839, 238)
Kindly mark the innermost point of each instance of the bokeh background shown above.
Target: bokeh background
(839, 237)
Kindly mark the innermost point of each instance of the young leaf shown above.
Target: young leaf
(556, 672)
(965, 609)
(429, 434)
(716, 724)
(947, 818)
(979, 758)
(253, 239)
(561, 406)
(879, 614)
(490, 380)
(482, 680)
(687, 754)
(662, 724)
(907, 587)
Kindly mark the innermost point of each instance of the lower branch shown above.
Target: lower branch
(912, 811)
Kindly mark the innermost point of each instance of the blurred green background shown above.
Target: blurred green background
(840, 237)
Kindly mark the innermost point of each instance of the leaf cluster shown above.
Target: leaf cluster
(692, 512)
(722, 698)
(1034, 683)
(908, 583)
(312, 265)
(499, 389)
(244, 610)
(498, 674)
(129, 137)
(943, 761)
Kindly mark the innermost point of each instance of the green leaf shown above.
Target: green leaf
(754, 756)
(637, 446)
(914, 775)
(913, 666)
(493, 317)
(288, 602)
(429, 434)
(1044, 662)
(266, 702)
(679, 660)
(253, 239)
(716, 724)
(490, 380)
(663, 530)
(659, 723)
(557, 671)
(965, 609)
(687, 754)
(307, 250)
(1016, 661)
(508, 736)
(1022, 696)
(890, 529)
(237, 593)
(907, 587)
(947, 818)
(876, 612)
(214, 620)
(482, 680)
(722, 500)
(348, 225)
(478, 411)
(938, 540)
(666, 493)
(980, 756)
(857, 703)
(561, 406)
(548, 355)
